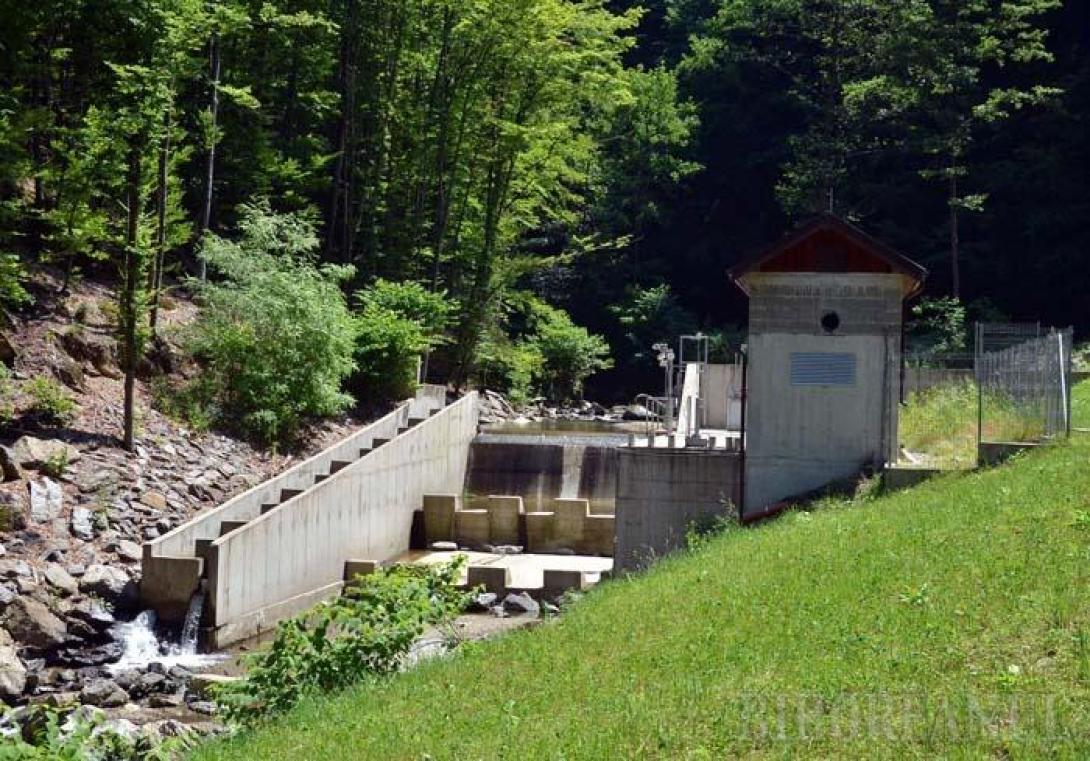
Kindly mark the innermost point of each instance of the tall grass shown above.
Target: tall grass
(938, 426)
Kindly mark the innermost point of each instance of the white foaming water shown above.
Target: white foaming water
(142, 646)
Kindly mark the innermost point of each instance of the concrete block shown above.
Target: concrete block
(503, 519)
(557, 582)
(168, 584)
(354, 568)
(471, 527)
(439, 512)
(539, 532)
(493, 578)
(997, 452)
(568, 523)
(599, 535)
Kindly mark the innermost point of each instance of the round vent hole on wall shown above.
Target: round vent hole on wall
(830, 321)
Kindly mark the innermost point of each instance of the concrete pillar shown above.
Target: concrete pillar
(503, 519)
(599, 535)
(568, 525)
(439, 512)
(539, 532)
(354, 568)
(557, 583)
(471, 528)
(493, 578)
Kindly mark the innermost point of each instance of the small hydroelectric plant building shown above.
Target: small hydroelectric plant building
(826, 306)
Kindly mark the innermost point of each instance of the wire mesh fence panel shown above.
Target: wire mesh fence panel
(937, 426)
(1024, 385)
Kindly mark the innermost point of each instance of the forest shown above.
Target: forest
(527, 193)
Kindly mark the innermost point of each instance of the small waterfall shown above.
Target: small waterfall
(141, 644)
(187, 645)
(571, 475)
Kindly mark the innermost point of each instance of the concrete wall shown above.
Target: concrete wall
(294, 555)
(721, 389)
(171, 573)
(540, 471)
(662, 492)
(801, 436)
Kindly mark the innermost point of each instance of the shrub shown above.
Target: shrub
(365, 633)
(275, 336)
(49, 403)
(649, 316)
(569, 353)
(12, 276)
(396, 324)
(7, 396)
(507, 366)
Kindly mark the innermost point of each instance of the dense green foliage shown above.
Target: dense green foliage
(607, 158)
(397, 324)
(275, 336)
(362, 635)
(867, 628)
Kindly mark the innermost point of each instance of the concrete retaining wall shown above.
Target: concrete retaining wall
(284, 561)
(171, 573)
(661, 493)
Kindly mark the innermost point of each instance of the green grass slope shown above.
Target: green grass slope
(951, 620)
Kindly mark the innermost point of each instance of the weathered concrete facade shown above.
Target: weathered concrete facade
(809, 423)
(823, 382)
(289, 558)
(662, 493)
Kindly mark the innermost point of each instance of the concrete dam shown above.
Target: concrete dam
(544, 506)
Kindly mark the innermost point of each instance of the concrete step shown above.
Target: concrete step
(320, 477)
(366, 451)
(269, 506)
(226, 527)
(286, 494)
(376, 443)
(338, 465)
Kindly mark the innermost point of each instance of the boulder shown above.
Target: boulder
(103, 693)
(129, 550)
(33, 624)
(12, 670)
(82, 525)
(92, 613)
(10, 465)
(59, 579)
(70, 373)
(110, 584)
(99, 350)
(13, 510)
(7, 351)
(32, 452)
(521, 603)
(46, 500)
(154, 500)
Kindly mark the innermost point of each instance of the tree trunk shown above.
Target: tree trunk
(155, 282)
(955, 240)
(210, 165)
(129, 294)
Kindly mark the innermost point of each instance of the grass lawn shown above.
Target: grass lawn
(911, 625)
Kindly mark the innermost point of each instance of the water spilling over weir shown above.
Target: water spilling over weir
(143, 644)
(541, 462)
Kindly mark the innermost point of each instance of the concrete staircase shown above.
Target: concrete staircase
(282, 545)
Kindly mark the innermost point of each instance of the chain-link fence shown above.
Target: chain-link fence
(937, 427)
(1023, 376)
(1014, 388)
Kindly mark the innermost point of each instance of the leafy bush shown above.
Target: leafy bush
(507, 366)
(49, 404)
(397, 323)
(569, 353)
(652, 315)
(12, 275)
(365, 633)
(7, 396)
(275, 335)
(939, 326)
